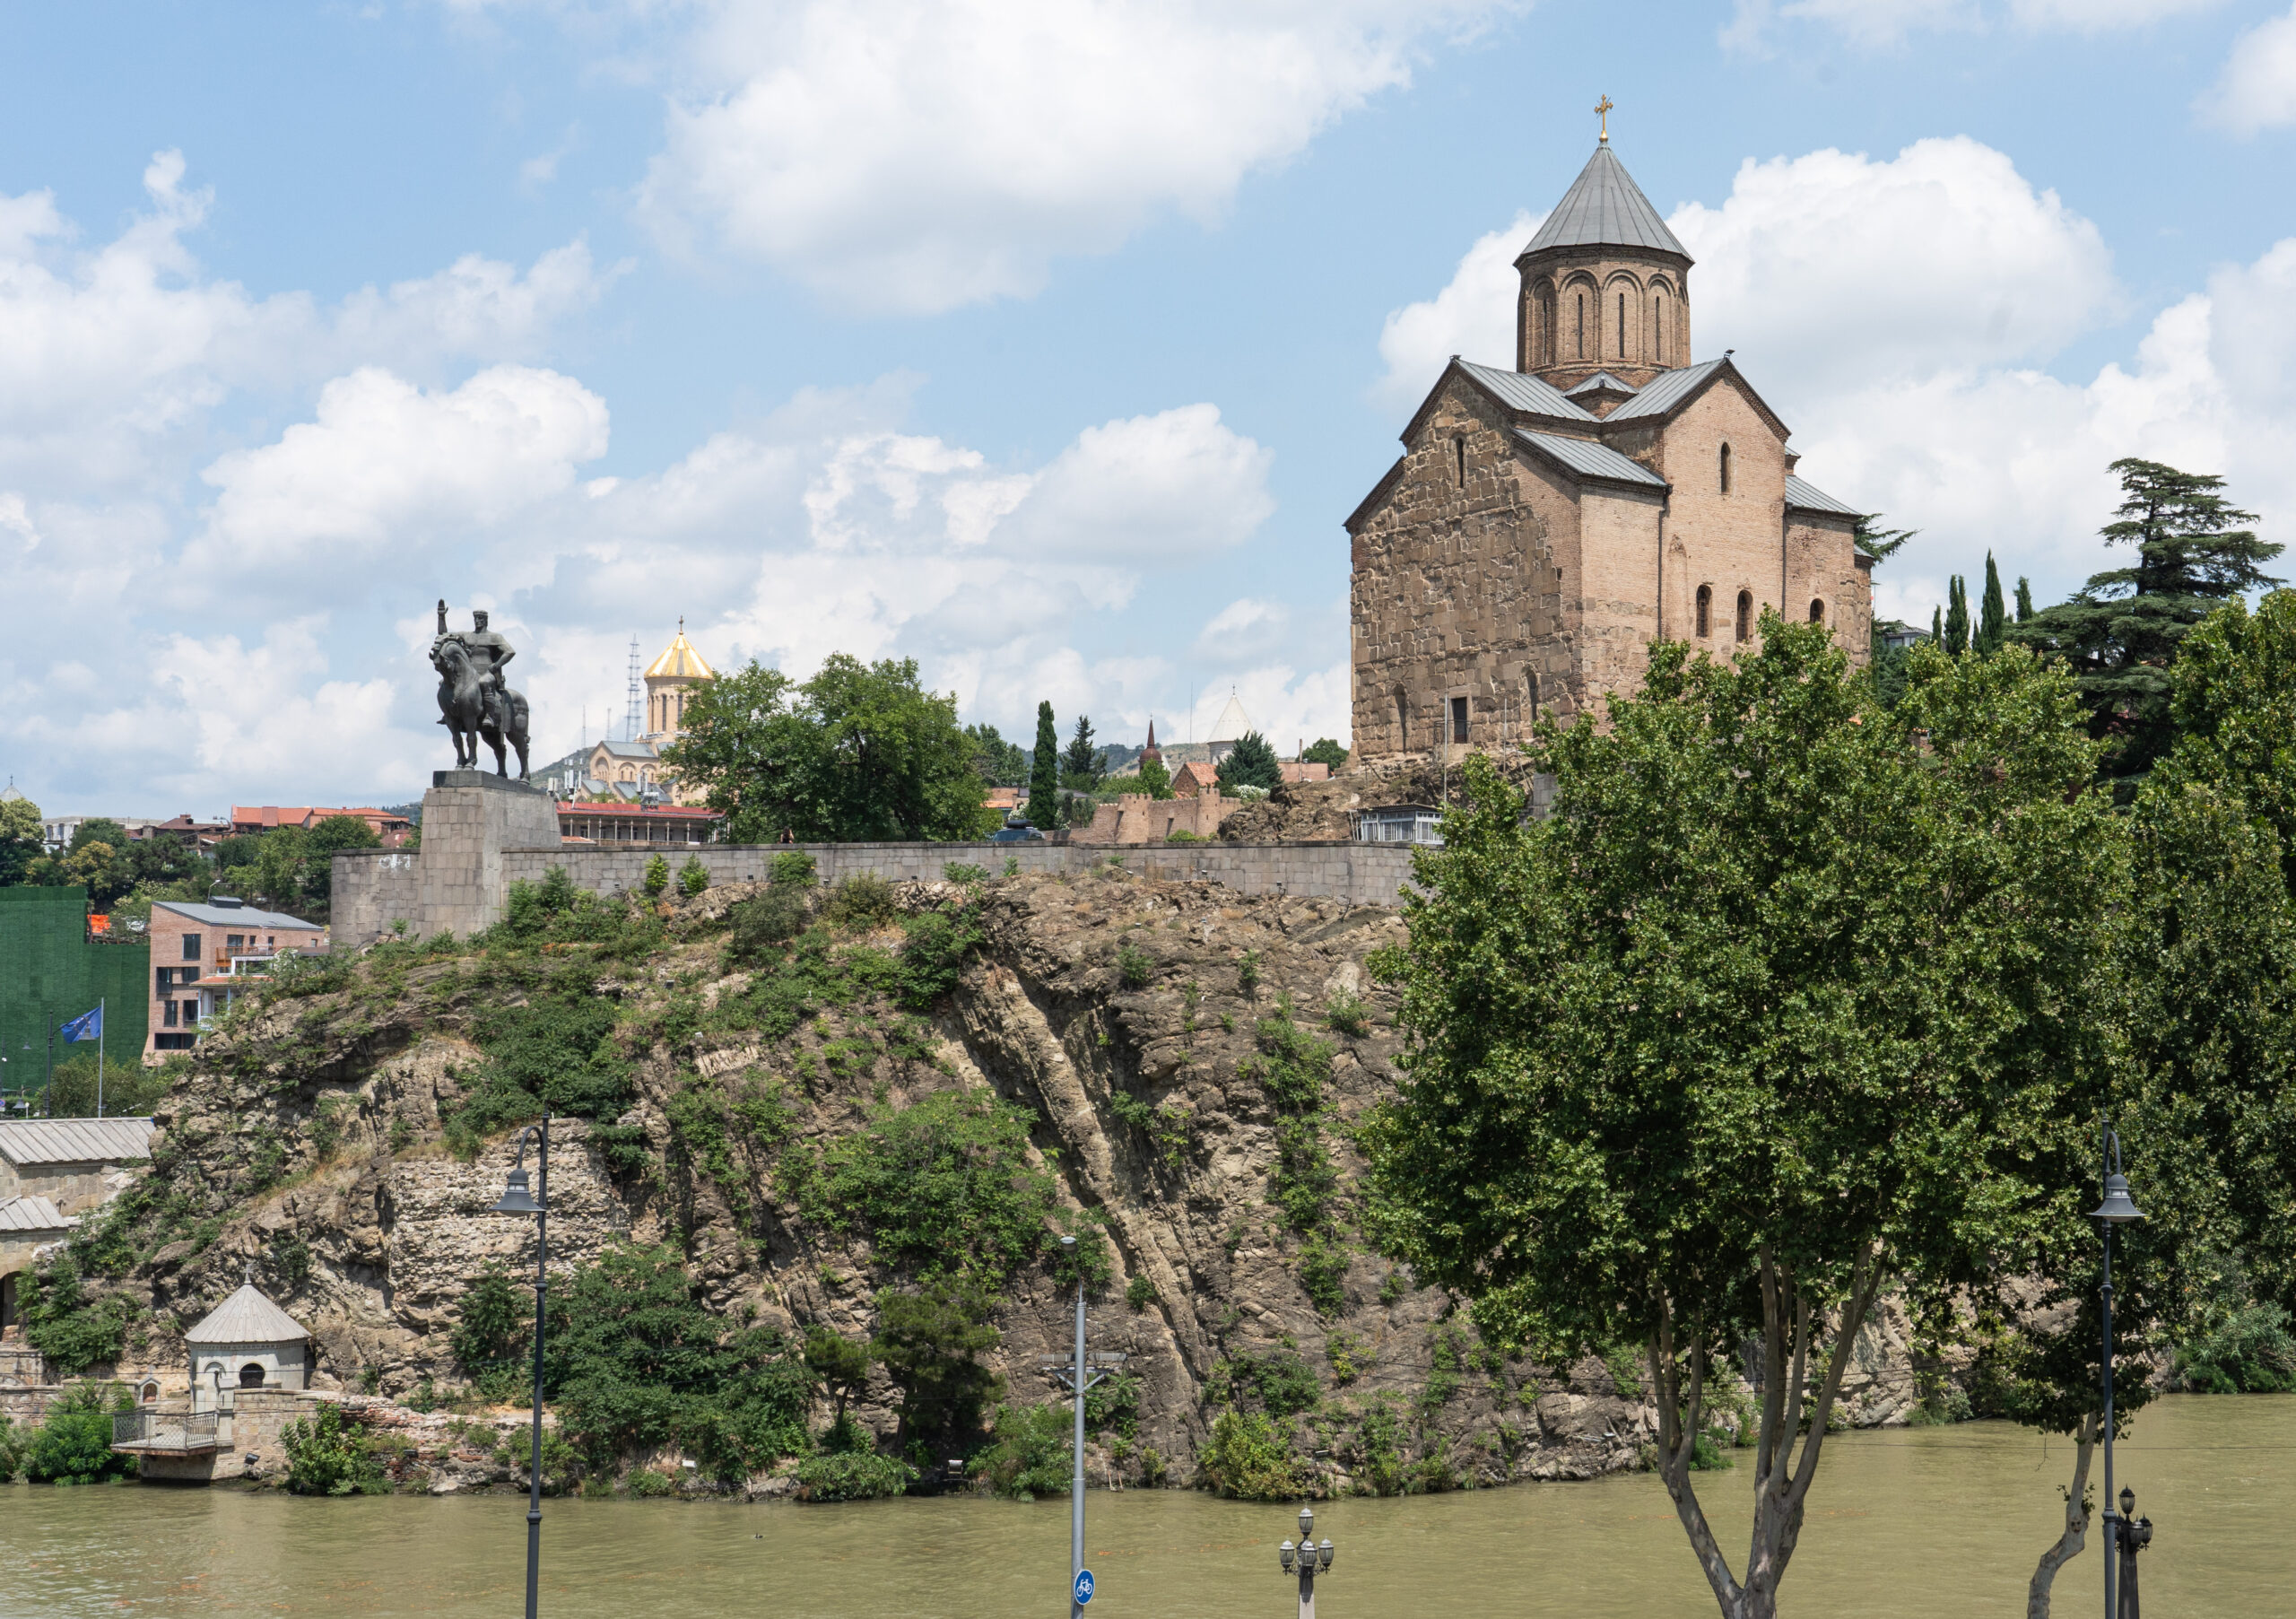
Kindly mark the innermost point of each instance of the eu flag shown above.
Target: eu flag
(88, 1025)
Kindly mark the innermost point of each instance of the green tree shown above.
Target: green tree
(1768, 1013)
(2122, 632)
(2025, 599)
(97, 828)
(1000, 764)
(492, 1327)
(930, 1344)
(1155, 781)
(859, 753)
(1044, 773)
(1879, 542)
(1251, 762)
(635, 1360)
(21, 836)
(1324, 749)
(74, 1444)
(1080, 763)
(328, 1456)
(841, 1363)
(1993, 613)
(328, 836)
(1937, 626)
(1957, 615)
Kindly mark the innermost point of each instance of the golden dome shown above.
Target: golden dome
(681, 661)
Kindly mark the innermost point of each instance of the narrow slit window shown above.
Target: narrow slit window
(1402, 722)
(1459, 461)
(1658, 331)
(1621, 326)
(1581, 333)
(1458, 720)
(1745, 615)
(1705, 610)
(1725, 469)
(1531, 681)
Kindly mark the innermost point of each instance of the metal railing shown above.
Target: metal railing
(149, 1430)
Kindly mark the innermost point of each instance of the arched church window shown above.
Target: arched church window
(1621, 326)
(1658, 331)
(1817, 612)
(1725, 469)
(1581, 333)
(1745, 615)
(251, 1375)
(1705, 610)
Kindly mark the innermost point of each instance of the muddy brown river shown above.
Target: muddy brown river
(1912, 1522)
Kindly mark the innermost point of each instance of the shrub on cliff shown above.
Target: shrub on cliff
(14, 1441)
(326, 1456)
(556, 1048)
(853, 1475)
(935, 953)
(944, 1186)
(930, 1343)
(1250, 1456)
(635, 1360)
(72, 1328)
(1031, 1453)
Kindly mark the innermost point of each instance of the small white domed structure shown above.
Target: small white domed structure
(246, 1342)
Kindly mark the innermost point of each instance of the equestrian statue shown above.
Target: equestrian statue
(474, 703)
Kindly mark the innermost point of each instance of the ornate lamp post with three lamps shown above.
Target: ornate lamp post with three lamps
(2118, 1208)
(516, 1201)
(1308, 1557)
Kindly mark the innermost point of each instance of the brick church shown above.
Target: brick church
(1546, 523)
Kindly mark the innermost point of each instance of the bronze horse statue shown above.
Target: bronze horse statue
(471, 711)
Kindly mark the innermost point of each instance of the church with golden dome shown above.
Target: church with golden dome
(629, 769)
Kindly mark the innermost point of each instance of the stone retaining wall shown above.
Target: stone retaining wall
(370, 897)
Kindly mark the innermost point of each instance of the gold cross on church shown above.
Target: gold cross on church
(1602, 111)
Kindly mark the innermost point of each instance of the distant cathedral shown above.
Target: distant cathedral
(1546, 524)
(629, 768)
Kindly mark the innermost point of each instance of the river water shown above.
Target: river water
(1908, 1522)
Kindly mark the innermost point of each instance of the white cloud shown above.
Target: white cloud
(1874, 23)
(1148, 492)
(387, 469)
(1827, 270)
(1473, 317)
(1244, 629)
(916, 156)
(1834, 267)
(2257, 89)
(108, 355)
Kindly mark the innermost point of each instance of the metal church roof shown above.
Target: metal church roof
(1598, 382)
(1589, 460)
(1802, 495)
(1605, 208)
(1667, 390)
(246, 1316)
(29, 1141)
(1521, 391)
(32, 1214)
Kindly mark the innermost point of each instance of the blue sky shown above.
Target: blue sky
(1046, 342)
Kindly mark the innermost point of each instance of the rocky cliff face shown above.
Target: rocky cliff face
(1193, 1061)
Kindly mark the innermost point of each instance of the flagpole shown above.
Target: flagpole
(99, 1056)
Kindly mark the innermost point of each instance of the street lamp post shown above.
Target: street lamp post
(516, 1201)
(1082, 1374)
(1309, 1558)
(2117, 1209)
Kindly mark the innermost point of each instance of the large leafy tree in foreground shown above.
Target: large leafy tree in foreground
(861, 751)
(1771, 1011)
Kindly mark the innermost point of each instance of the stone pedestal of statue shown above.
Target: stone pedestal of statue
(469, 817)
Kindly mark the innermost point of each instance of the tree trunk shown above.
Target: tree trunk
(2076, 1522)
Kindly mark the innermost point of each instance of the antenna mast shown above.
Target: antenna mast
(636, 696)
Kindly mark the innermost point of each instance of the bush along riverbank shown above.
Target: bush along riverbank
(812, 1157)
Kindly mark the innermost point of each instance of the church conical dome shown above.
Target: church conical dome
(680, 661)
(1605, 208)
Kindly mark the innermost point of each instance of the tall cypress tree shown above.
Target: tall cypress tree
(1957, 615)
(1937, 625)
(2025, 599)
(1993, 615)
(1044, 773)
(2121, 631)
